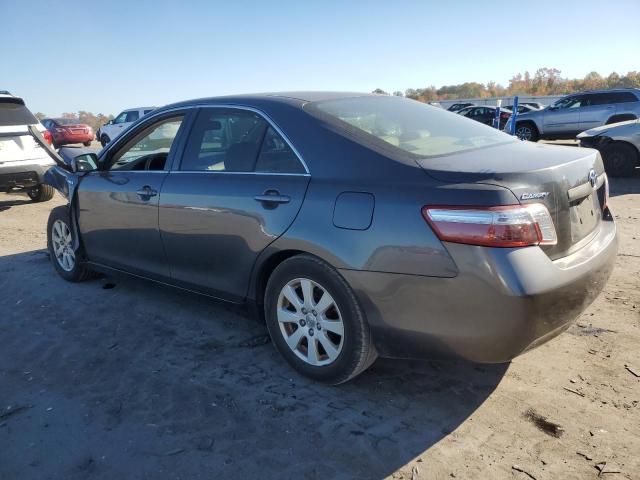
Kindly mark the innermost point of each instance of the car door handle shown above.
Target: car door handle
(272, 196)
(147, 192)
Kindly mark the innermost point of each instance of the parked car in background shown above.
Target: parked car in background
(522, 108)
(578, 112)
(109, 131)
(619, 145)
(260, 199)
(22, 160)
(66, 131)
(485, 114)
(459, 106)
(534, 105)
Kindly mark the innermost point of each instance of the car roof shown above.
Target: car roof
(608, 90)
(298, 98)
(133, 109)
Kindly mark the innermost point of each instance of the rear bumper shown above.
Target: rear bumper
(502, 303)
(24, 175)
(68, 139)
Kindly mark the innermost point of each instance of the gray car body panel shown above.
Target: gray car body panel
(484, 304)
(628, 132)
(567, 123)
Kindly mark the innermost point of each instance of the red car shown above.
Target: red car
(67, 130)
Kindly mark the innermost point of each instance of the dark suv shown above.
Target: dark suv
(579, 112)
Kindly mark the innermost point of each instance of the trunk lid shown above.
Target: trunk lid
(16, 144)
(569, 181)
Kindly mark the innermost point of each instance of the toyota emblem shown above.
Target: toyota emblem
(593, 178)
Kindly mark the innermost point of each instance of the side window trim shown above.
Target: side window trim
(175, 167)
(177, 146)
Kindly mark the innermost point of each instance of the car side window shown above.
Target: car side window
(600, 99)
(570, 102)
(148, 150)
(276, 156)
(623, 97)
(132, 116)
(224, 140)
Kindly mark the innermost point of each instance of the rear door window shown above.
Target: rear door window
(14, 113)
(132, 116)
(276, 156)
(224, 140)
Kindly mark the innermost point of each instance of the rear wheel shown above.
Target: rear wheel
(315, 321)
(104, 140)
(67, 261)
(41, 193)
(620, 159)
(527, 131)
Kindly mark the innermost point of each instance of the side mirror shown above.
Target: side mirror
(110, 122)
(85, 162)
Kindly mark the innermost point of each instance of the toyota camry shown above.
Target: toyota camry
(356, 225)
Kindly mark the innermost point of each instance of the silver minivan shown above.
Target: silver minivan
(578, 112)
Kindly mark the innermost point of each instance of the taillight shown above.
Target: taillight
(48, 137)
(504, 226)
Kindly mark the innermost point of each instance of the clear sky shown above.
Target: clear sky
(106, 55)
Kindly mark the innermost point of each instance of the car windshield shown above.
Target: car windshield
(406, 125)
(67, 121)
(14, 113)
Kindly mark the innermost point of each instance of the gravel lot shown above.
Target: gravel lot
(118, 378)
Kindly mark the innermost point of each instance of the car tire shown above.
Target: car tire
(527, 131)
(41, 193)
(620, 159)
(86, 144)
(339, 334)
(69, 263)
(104, 140)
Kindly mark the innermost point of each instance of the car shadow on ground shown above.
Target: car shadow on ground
(625, 185)
(7, 204)
(120, 378)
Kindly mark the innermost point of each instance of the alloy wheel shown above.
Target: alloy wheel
(524, 133)
(310, 322)
(62, 245)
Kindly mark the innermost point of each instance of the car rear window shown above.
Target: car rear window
(405, 126)
(13, 112)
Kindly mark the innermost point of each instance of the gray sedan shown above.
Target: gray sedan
(356, 226)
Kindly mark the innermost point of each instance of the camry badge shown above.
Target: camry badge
(593, 178)
(534, 195)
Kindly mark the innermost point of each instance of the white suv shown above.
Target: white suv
(110, 130)
(23, 162)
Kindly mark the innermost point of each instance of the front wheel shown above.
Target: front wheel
(41, 193)
(527, 131)
(315, 321)
(67, 260)
(104, 140)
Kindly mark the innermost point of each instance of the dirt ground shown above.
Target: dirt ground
(118, 378)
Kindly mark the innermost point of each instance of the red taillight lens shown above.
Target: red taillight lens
(504, 226)
(48, 137)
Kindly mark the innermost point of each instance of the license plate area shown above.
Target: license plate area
(584, 217)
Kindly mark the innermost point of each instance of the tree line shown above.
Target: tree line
(88, 118)
(545, 81)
